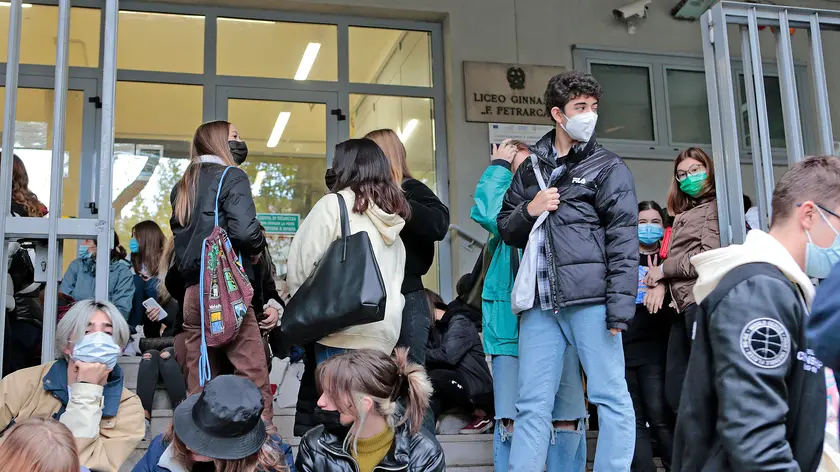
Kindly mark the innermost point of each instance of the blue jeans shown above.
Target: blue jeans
(544, 336)
(567, 451)
(322, 353)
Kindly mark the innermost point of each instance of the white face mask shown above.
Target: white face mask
(581, 127)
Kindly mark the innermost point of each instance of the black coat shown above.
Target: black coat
(321, 451)
(237, 215)
(428, 224)
(454, 345)
(754, 394)
(592, 237)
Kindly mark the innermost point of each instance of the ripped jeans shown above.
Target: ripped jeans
(567, 449)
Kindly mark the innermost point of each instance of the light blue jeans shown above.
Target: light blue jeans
(567, 450)
(544, 337)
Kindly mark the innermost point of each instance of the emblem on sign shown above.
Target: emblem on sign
(516, 78)
(765, 342)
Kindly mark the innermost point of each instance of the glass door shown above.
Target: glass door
(291, 138)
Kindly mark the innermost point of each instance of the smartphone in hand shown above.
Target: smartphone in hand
(152, 303)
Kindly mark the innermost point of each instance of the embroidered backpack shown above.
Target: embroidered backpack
(226, 291)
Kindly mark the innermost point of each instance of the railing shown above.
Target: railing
(473, 242)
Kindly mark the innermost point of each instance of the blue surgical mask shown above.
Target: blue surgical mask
(650, 233)
(133, 246)
(98, 348)
(820, 260)
(84, 253)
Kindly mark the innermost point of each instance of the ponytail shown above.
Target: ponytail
(414, 386)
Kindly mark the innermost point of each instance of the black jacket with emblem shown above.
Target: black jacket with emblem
(592, 236)
(322, 451)
(754, 394)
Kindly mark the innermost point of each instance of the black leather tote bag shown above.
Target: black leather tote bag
(346, 289)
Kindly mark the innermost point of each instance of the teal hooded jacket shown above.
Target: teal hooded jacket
(499, 325)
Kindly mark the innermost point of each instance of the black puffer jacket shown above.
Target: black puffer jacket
(593, 236)
(321, 451)
(454, 344)
(237, 215)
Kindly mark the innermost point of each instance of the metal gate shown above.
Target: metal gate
(51, 230)
(722, 106)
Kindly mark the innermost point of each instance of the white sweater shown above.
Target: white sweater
(320, 228)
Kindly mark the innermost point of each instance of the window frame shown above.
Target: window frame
(665, 147)
(210, 81)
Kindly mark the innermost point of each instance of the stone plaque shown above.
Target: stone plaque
(507, 93)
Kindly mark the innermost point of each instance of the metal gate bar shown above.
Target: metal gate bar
(54, 228)
(723, 110)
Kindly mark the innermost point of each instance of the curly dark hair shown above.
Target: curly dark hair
(569, 85)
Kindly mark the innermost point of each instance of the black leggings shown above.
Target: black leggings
(646, 384)
(451, 392)
(168, 369)
(679, 349)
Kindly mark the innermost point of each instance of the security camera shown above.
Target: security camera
(632, 13)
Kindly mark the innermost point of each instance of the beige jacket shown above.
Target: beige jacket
(320, 228)
(104, 442)
(695, 231)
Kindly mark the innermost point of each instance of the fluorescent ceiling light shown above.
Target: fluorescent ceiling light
(307, 60)
(409, 128)
(8, 4)
(246, 20)
(279, 127)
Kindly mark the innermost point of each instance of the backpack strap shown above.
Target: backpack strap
(537, 172)
(204, 372)
(218, 193)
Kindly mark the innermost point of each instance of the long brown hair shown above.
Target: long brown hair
(361, 166)
(267, 458)
(394, 150)
(210, 139)
(23, 447)
(20, 190)
(167, 258)
(370, 373)
(679, 201)
(150, 240)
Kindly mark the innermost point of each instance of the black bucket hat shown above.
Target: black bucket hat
(223, 421)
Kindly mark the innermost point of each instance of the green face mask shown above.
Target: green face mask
(692, 185)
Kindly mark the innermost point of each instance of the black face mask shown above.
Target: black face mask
(203, 467)
(331, 421)
(239, 150)
(330, 179)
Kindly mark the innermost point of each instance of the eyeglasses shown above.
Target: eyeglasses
(693, 170)
(823, 208)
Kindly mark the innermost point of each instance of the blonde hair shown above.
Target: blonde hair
(211, 138)
(73, 326)
(267, 458)
(22, 447)
(394, 150)
(368, 373)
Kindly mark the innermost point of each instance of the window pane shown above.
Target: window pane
(39, 29)
(257, 48)
(410, 118)
(33, 143)
(626, 110)
(147, 42)
(775, 118)
(390, 57)
(151, 150)
(287, 160)
(689, 107)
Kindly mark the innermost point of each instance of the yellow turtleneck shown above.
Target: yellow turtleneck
(370, 452)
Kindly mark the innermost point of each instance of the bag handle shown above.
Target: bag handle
(218, 194)
(345, 224)
(538, 172)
